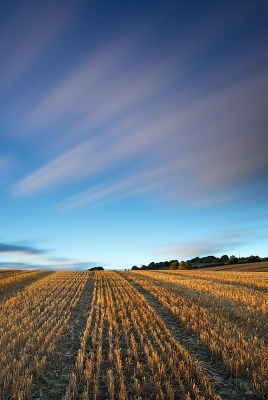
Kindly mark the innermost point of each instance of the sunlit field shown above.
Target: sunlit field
(133, 335)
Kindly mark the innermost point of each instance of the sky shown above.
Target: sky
(132, 131)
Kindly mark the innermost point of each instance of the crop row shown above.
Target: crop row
(244, 355)
(30, 326)
(127, 352)
(8, 273)
(250, 316)
(245, 279)
(15, 280)
(251, 298)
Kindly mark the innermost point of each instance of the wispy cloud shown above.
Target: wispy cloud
(97, 107)
(16, 265)
(118, 107)
(16, 248)
(219, 243)
(209, 144)
(18, 256)
(82, 88)
(68, 265)
(198, 248)
(111, 191)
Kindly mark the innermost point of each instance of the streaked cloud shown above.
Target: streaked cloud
(119, 107)
(15, 265)
(18, 256)
(16, 248)
(219, 243)
(68, 265)
(83, 88)
(206, 147)
(164, 103)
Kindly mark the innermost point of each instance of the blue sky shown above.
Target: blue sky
(132, 132)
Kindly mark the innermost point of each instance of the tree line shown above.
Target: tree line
(199, 262)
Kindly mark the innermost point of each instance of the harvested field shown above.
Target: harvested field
(7, 273)
(135, 335)
(12, 283)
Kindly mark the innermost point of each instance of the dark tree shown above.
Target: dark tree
(233, 260)
(174, 265)
(184, 265)
(224, 258)
(253, 259)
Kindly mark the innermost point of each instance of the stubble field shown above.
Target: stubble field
(133, 335)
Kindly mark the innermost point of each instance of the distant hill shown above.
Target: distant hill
(261, 266)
